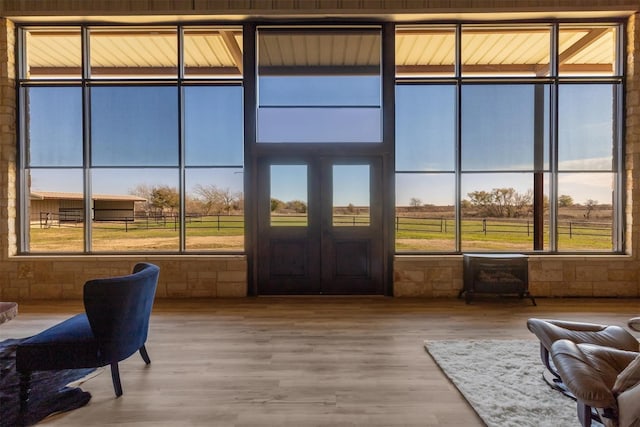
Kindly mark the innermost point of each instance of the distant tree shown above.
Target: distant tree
(501, 202)
(193, 205)
(415, 202)
(565, 201)
(589, 206)
(276, 205)
(217, 200)
(159, 198)
(298, 206)
(238, 205)
(482, 200)
(144, 191)
(165, 197)
(227, 198)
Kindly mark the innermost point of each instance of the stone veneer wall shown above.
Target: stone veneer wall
(32, 277)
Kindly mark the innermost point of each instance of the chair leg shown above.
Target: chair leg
(544, 356)
(584, 414)
(25, 387)
(115, 377)
(144, 354)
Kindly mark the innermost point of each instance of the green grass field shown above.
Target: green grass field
(227, 233)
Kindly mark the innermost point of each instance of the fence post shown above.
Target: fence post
(353, 219)
(218, 220)
(570, 229)
(484, 226)
(397, 223)
(528, 232)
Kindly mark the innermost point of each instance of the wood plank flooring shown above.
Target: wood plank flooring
(301, 361)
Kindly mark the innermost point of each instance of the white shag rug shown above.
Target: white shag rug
(502, 380)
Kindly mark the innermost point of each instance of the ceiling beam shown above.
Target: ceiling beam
(232, 46)
(401, 70)
(584, 42)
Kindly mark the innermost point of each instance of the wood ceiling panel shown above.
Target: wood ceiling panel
(485, 49)
(292, 49)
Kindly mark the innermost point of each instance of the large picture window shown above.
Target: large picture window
(522, 136)
(137, 152)
(507, 137)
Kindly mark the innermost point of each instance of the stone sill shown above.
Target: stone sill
(532, 257)
(128, 257)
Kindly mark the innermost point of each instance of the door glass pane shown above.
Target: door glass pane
(314, 85)
(351, 195)
(288, 196)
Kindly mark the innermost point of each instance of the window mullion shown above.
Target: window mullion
(553, 140)
(86, 138)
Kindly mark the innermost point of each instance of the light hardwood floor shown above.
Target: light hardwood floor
(298, 361)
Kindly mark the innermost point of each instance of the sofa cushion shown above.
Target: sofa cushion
(628, 378)
(67, 345)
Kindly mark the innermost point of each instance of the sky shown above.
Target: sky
(137, 128)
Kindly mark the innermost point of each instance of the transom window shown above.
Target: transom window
(314, 85)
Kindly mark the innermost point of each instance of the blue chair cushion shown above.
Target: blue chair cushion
(67, 345)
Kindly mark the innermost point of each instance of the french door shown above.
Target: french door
(320, 226)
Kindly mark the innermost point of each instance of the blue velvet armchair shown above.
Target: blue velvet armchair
(114, 326)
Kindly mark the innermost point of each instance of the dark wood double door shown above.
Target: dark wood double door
(320, 226)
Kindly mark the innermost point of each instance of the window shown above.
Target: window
(514, 149)
(140, 152)
(312, 87)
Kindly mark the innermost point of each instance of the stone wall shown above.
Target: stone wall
(180, 277)
(27, 277)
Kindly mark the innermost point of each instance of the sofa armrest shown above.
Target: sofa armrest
(628, 378)
(629, 410)
(587, 383)
(634, 323)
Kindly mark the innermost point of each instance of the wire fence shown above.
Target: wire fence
(403, 224)
(488, 226)
(164, 221)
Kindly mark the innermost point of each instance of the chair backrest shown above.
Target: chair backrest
(118, 309)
